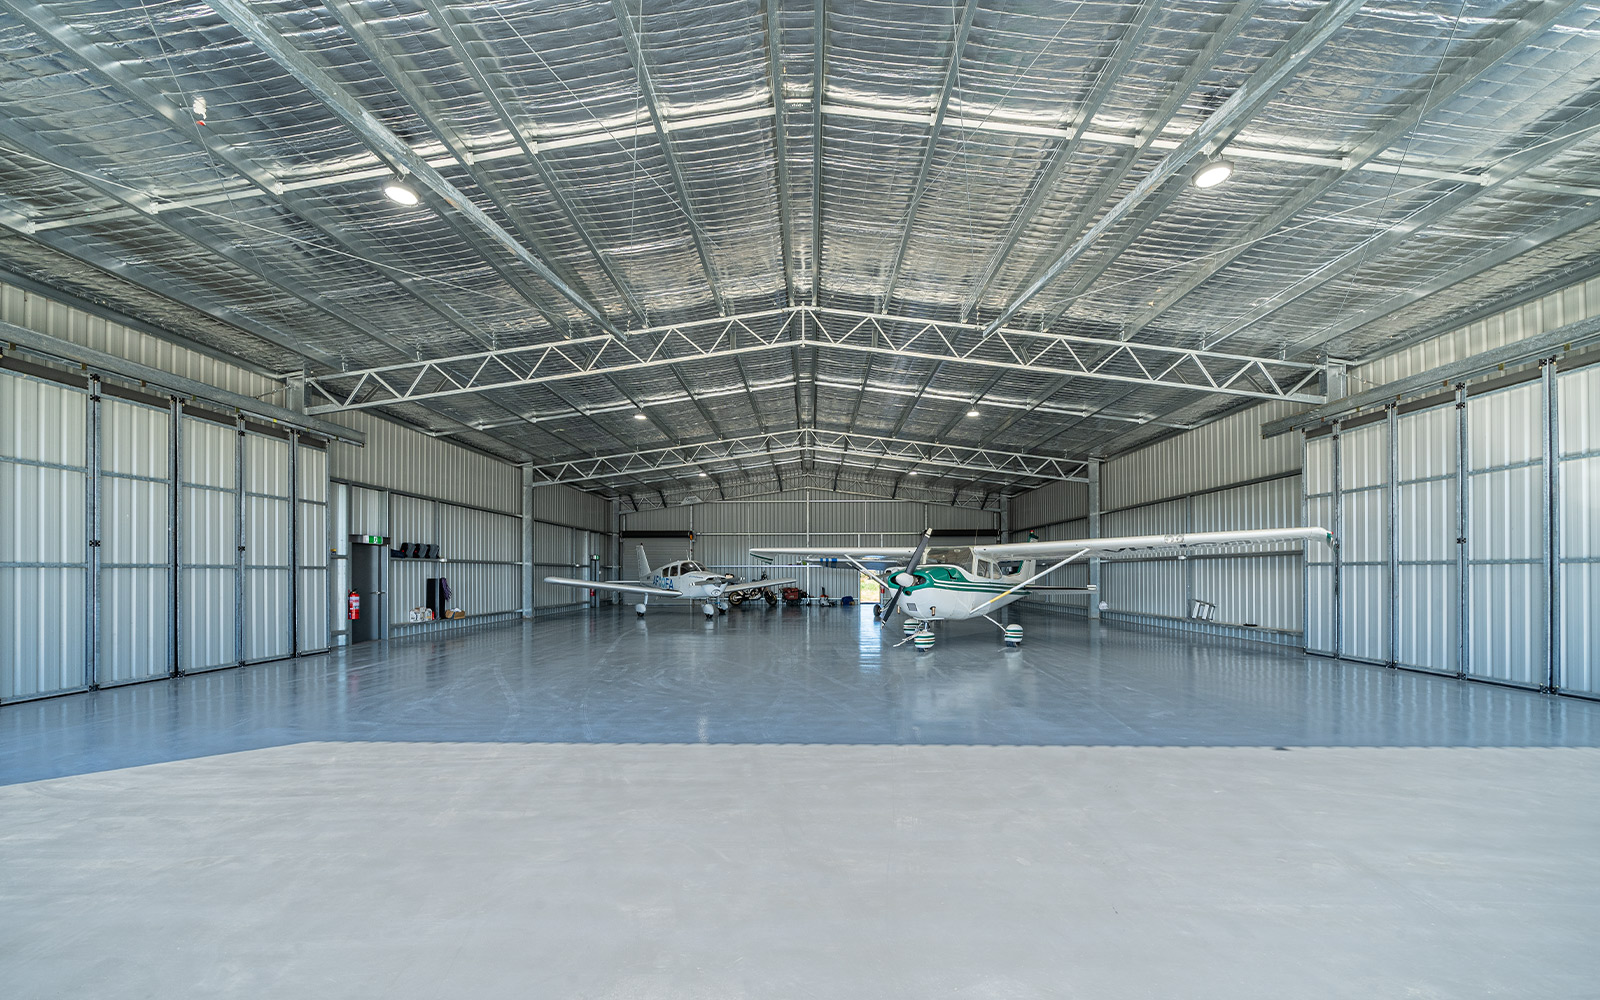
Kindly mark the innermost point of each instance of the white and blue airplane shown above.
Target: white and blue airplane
(681, 580)
(974, 581)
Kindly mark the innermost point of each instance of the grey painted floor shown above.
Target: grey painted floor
(783, 806)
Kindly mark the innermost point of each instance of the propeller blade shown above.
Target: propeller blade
(911, 567)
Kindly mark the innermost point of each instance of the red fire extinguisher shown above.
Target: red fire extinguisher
(355, 605)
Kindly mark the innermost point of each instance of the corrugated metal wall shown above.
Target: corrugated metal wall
(479, 555)
(1221, 453)
(399, 458)
(565, 505)
(1049, 505)
(1428, 604)
(1363, 533)
(54, 319)
(136, 542)
(1579, 477)
(44, 555)
(313, 599)
(1321, 604)
(1505, 536)
(1569, 305)
(267, 624)
(208, 544)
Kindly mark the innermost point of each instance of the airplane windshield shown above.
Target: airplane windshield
(693, 567)
(950, 557)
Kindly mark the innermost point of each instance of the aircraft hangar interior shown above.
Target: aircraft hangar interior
(799, 498)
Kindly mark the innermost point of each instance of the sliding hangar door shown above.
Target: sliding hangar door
(145, 538)
(1469, 529)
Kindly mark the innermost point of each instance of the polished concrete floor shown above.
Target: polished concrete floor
(785, 805)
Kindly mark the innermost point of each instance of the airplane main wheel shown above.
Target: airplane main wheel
(1013, 635)
(709, 610)
(923, 641)
(639, 610)
(912, 626)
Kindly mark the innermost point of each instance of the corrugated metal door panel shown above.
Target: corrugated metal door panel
(206, 608)
(208, 540)
(1578, 395)
(1319, 609)
(1427, 443)
(312, 466)
(134, 439)
(266, 465)
(268, 615)
(1364, 457)
(41, 422)
(1504, 428)
(44, 518)
(1426, 521)
(312, 536)
(1319, 465)
(1429, 610)
(209, 454)
(42, 648)
(1580, 628)
(134, 638)
(315, 600)
(1364, 596)
(1364, 531)
(1507, 633)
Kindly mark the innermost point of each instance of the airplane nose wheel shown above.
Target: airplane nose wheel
(709, 610)
(639, 610)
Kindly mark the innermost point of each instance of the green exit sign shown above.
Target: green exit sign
(372, 539)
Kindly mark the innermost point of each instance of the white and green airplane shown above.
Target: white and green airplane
(974, 581)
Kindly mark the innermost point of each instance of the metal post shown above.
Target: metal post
(1393, 547)
(92, 626)
(1338, 549)
(1094, 532)
(1305, 550)
(294, 543)
(527, 542)
(238, 538)
(1463, 522)
(1552, 525)
(1186, 566)
(174, 519)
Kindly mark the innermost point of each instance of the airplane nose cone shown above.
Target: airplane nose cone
(714, 589)
(904, 580)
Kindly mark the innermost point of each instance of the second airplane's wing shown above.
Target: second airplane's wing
(618, 585)
(1144, 545)
(756, 585)
(812, 555)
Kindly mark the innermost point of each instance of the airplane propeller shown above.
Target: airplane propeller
(906, 577)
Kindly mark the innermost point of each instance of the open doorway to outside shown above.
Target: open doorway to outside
(869, 590)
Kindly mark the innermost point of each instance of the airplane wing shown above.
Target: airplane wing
(756, 585)
(617, 585)
(884, 556)
(1145, 545)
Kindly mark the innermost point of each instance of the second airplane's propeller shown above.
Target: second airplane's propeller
(906, 577)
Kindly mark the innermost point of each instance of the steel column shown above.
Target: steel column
(1338, 546)
(1463, 523)
(92, 605)
(1094, 470)
(1392, 514)
(1551, 482)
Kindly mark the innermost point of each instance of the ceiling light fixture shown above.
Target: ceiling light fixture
(400, 193)
(639, 415)
(974, 412)
(1213, 173)
(914, 472)
(703, 475)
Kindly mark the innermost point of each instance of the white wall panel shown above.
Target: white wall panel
(1321, 604)
(399, 458)
(1050, 504)
(1507, 624)
(43, 522)
(1578, 395)
(572, 507)
(208, 540)
(268, 624)
(1221, 453)
(1426, 589)
(369, 513)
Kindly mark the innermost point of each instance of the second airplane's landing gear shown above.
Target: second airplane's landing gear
(639, 610)
(919, 634)
(709, 610)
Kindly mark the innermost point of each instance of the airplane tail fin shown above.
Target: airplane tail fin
(644, 565)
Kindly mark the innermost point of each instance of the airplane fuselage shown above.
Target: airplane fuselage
(952, 593)
(694, 586)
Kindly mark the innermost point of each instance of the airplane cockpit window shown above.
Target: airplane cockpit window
(671, 570)
(987, 568)
(693, 567)
(950, 557)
